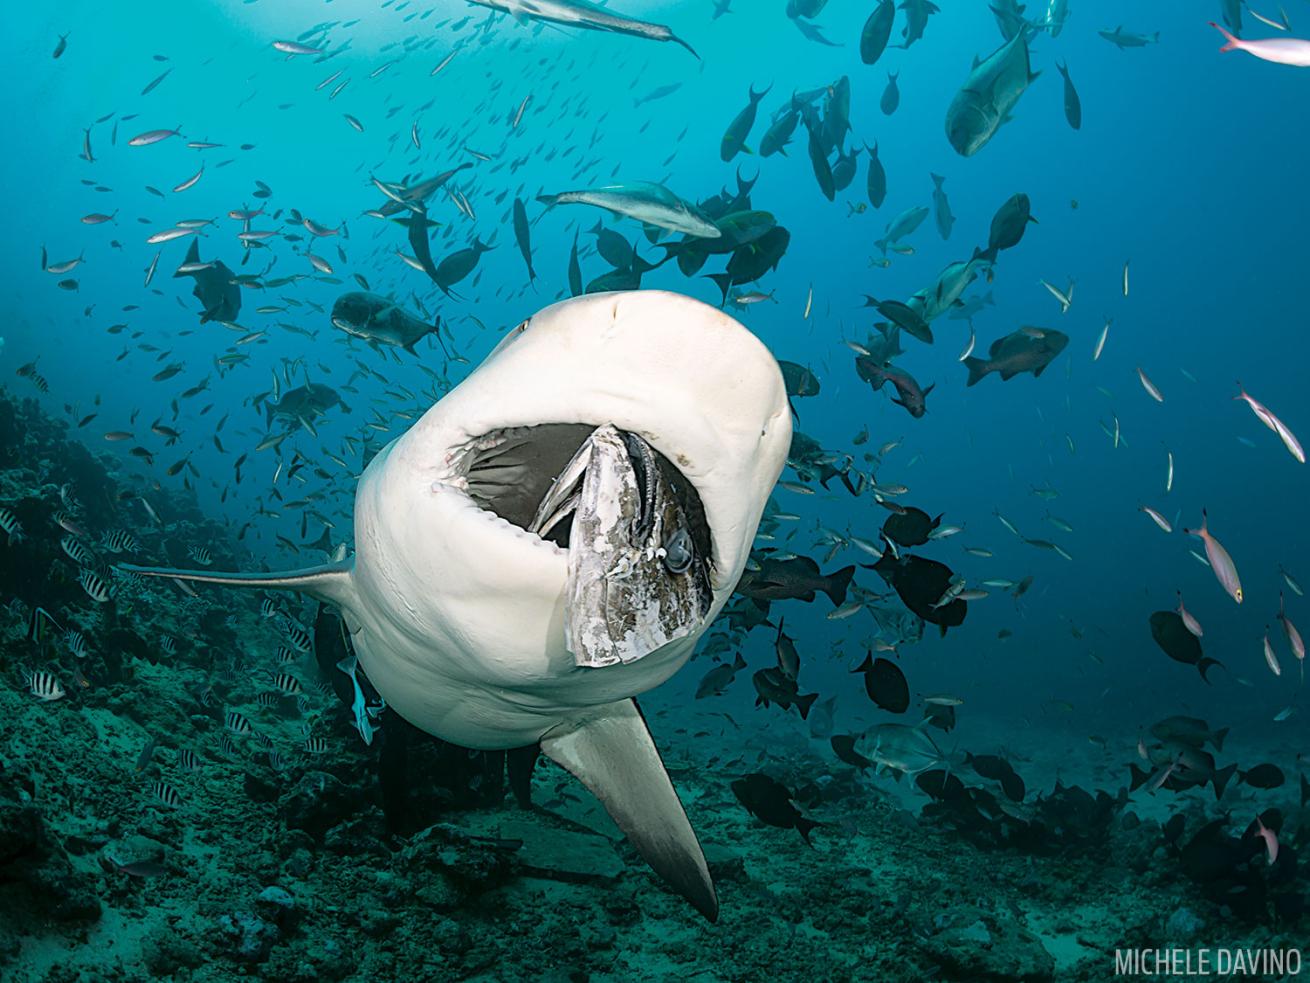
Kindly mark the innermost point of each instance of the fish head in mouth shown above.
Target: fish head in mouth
(638, 549)
(559, 530)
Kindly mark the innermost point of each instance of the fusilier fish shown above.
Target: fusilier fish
(1221, 563)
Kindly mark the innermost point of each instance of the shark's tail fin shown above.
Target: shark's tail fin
(677, 40)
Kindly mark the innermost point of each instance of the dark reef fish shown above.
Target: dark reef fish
(909, 393)
(922, 583)
(797, 578)
(714, 682)
(885, 683)
(769, 801)
(1025, 350)
(1176, 641)
(216, 286)
(380, 321)
(304, 404)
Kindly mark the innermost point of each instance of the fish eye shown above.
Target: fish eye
(678, 552)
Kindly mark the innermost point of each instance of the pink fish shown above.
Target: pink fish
(1270, 838)
(1281, 51)
(1163, 776)
(1220, 562)
(1271, 657)
(1189, 621)
(1273, 423)
(1294, 638)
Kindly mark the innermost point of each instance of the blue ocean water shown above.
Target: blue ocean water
(1186, 170)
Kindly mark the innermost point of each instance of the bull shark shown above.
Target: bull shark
(553, 537)
(580, 13)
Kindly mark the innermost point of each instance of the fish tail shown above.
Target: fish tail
(978, 367)
(436, 333)
(550, 201)
(1220, 780)
(677, 40)
(724, 283)
(1233, 43)
(1137, 778)
(1218, 738)
(804, 826)
(803, 704)
(837, 584)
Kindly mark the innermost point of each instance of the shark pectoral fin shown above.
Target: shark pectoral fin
(610, 750)
(330, 582)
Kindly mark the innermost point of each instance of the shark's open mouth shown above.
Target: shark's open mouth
(634, 527)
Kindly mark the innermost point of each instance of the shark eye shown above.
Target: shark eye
(678, 552)
(509, 338)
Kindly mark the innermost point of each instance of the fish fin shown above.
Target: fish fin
(804, 826)
(329, 582)
(609, 749)
(837, 584)
(1220, 780)
(192, 256)
(677, 40)
(977, 367)
(1137, 777)
(1231, 44)
(519, 764)
(724, 282)
(1205, 665)
(803, 704)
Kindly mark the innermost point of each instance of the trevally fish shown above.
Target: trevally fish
(988, 95)
(379, 321)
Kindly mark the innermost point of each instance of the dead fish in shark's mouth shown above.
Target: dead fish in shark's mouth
(638, 567)
(554, 536)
